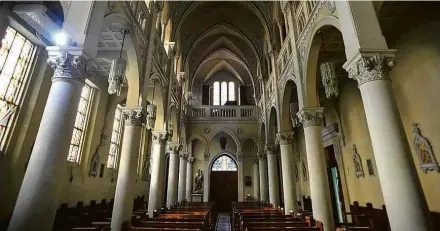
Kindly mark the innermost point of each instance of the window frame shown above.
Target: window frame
(120, 131)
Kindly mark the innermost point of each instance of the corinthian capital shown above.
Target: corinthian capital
(311, 116)
(191, 159)
(159, 137)
(183, 155)
(174, 148)
(284, 138)
(270, 149)
(366, 67)
(134, 116)
(70, 63)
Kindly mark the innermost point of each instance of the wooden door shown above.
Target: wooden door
(224, 189)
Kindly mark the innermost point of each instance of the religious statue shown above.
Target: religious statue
(199, 181)
(424, 151)
(357, 162)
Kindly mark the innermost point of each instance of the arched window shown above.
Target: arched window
(231, 96)
(224, 163)
(224, 93)
(216, 93)
(115, 142)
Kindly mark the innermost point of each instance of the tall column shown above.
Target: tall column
(262, 165)
(159, 139)
(403, 195)
(319, 188)
(256, 179)
(285, 139)
(240, 176)
(189, 178)
(124, 196)
(38, 197)
(272, 172)
(173, 173)
(206, 178)
(182, 177)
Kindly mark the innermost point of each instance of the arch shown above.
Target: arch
(231, 134)
(220, 155)
(311, 65)
(133, 68)
(254, 139)
(290, 90)
(159, 100)
(200, 138)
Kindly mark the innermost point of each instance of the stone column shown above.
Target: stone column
(206, 178)
(240, 176)
(159, 139)
(182, 177)
(262, 165)
(272, 172)
(127, 174)
(403, 195)
(256, 179)
(189, 178)
(173, 173)
(38, 197)
(285, 139)
(319, 187)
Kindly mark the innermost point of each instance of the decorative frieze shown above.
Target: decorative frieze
(311, 116)
(159, 137)
(133, 116)
(285, 138)
(70, 63)
(370, 67)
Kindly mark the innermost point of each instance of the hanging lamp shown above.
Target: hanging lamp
(328, 75)
(117, 71)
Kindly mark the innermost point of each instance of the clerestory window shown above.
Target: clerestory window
(222, 92)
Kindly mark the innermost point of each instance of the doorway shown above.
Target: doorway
(334, 179)
(223, 183)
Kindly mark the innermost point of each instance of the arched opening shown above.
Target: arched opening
(224, 181)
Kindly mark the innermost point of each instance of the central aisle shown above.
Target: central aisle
(223, 222)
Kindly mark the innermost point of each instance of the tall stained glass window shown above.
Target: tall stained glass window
(16, 58)
(224, 93)
(224, 163)
(231, 90)
(115, 143)
(80, 124)
(216, 93)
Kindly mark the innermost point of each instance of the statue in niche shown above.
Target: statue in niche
(357, 162)
(424, 151)
(199, 181)
(93, 171)
(223, 143)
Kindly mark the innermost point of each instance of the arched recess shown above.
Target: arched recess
(156, 95)
(313, 48)
(289, 105)
(227, 132)
(272, 126)
(199, 138)
(133, 68)
(255, 141)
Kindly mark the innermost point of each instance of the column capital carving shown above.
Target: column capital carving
(270, 149)
(284, 138)
(70, 63)
(239, 156)
(367, 66)
(184, 155)
(206, 156)
(255, 160)
(311, 116)
(174, 148)
(133, 116)
(191, 159)
(159, 137)
(261, 156)
(155, 6)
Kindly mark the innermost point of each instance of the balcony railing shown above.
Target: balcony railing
(222, 113)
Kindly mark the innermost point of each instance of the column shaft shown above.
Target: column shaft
(124, 196)
(240, 177)
(189, 178)
(206, 180)
(274, 197)
(288, 178)
(264, 190)
(182, 178)
(157, 171)
(173, 172)
(256, 180)
(37, 200)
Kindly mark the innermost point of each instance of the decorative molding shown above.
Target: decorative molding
(206, 156)
(311, 116)
(249, 121)
(357, 162)
(366, 67)
(184, 155)
(423, 148)
(285, 138)
(331, 6)
(70, 63)
(303, 38)
(240, 130)
(159, 137)
(133, 116)
(239, 156)
(207, 130)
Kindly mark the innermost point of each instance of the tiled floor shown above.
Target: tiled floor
(223, 222)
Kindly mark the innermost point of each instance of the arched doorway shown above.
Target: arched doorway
(224, 182)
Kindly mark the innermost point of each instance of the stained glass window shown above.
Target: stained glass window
(216, 93)
(16, 56)
(115, 143)
(80, 124)
(231, 90)
(224, 93)
(224, 163)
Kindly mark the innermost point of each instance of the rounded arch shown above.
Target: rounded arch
(289, 96)
(157, 97)
(231, 134)
(200, 138)
(133, 67)
(313, 48)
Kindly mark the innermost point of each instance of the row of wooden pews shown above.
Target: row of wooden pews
(255, 216)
